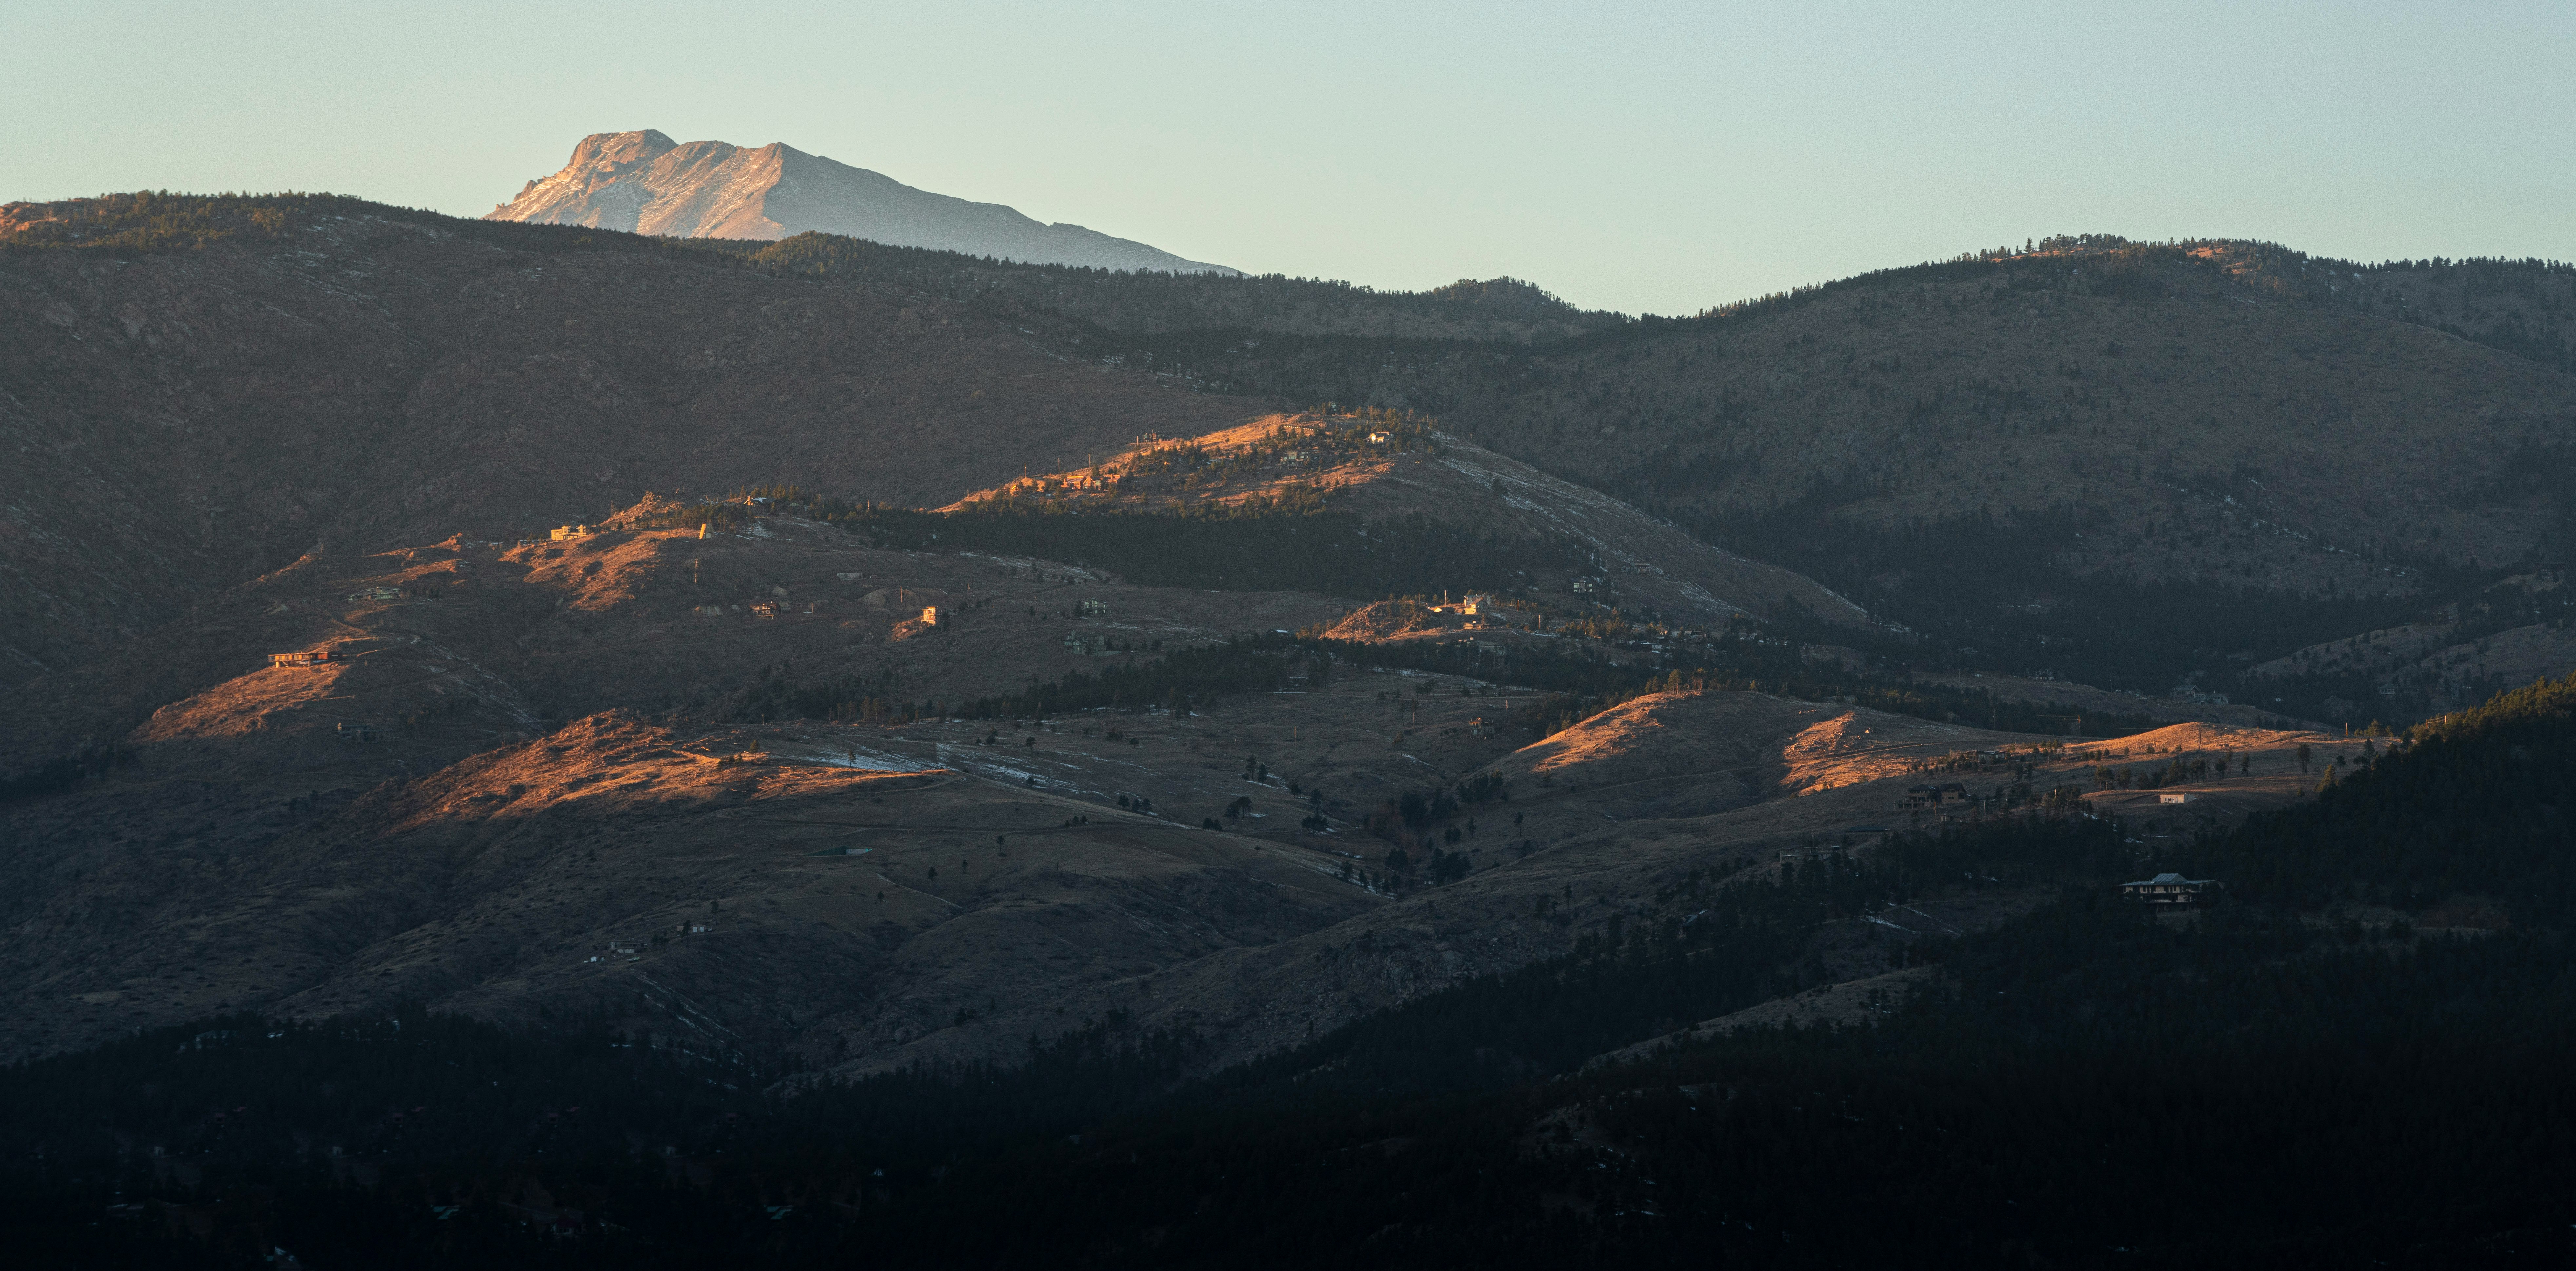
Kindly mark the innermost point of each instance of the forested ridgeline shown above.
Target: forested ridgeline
(2262, 1083)
(1986, 588)
(1500, 310)
(2472, 815)
(2521, 306)
(150, 221)
(1504, 310)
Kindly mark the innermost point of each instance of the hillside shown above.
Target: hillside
(510, 766)
(1907, 1034)
(645, 183)
(2148, 386)
(2125, 466)
(190, 419)
(262, 426)
(1610, 556)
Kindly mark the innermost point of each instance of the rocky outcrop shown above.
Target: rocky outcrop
(646, 183)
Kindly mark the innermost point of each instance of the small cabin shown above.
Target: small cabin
(2172, 889)
(310, 657)
(2176, 796)
(565, 533)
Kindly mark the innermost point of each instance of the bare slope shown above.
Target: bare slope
(646, 183)
(1612, 822)
(413, 821)
(615, 869)
(490, 642)
(1643, 563)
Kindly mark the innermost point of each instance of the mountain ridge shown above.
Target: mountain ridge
(644, 182)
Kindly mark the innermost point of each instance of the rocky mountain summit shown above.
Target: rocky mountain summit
(646, 183)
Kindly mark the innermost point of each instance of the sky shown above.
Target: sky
(1648, 157)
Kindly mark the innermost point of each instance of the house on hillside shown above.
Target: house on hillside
(565, 533)
(764, 609)
(1467, 606)
(2176, 796)
(2172, 889)
(308, 658)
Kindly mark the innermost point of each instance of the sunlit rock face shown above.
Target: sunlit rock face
(645, 183)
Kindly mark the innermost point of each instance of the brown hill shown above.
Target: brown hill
(2205, 428)
(188, 420)
(2217, 411)
(624, 870)
(260, 855)
(1642, 563)
(2214, 410)
(411, 820)
(1607, 822)
(485, 642)
(327, 431)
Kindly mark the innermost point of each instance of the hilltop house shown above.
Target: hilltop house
(2171, 889)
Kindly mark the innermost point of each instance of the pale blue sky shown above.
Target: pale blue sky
(1654, 157)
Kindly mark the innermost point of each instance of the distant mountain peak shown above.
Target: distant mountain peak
(646, 183)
